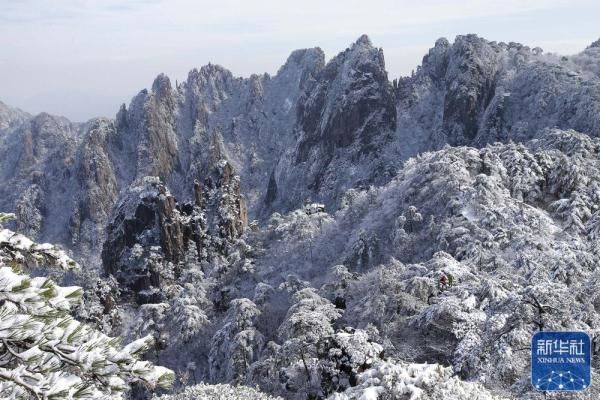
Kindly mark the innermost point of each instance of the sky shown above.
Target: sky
(83, 58)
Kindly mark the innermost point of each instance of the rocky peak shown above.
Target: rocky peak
(204, 91)
(211, 70)
(442, 43)
(148, 130)
(211, 80)
(10, 116)
(346, 112)
(36, 166)
(596, 44)
(151, 232)
(363, 40)
(161, 86)
(435, 62)
(305, 58)
(225, 206)
(471, 78)
(256, 86)
(338, 110)
(44, 138)
(475, 91)
(147, 228)
(306, 63)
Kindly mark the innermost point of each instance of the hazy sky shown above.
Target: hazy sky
(82, 58)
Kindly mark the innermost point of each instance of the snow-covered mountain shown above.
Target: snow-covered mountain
(289, 231)
(10, 117)
(311, 131)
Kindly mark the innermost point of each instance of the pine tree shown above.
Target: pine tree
(308, 320)
(237, 344)
(44, 352)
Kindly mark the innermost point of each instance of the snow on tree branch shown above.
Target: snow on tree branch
(46, 354)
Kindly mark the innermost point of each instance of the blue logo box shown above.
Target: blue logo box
(561, 361)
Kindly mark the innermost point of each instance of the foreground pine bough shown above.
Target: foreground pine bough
(47, 354)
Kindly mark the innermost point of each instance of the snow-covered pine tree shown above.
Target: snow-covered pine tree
(44, 352)
(237, 344)
(218, 392)
(309, 319)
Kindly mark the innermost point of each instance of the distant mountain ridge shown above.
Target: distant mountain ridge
(312, 131)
